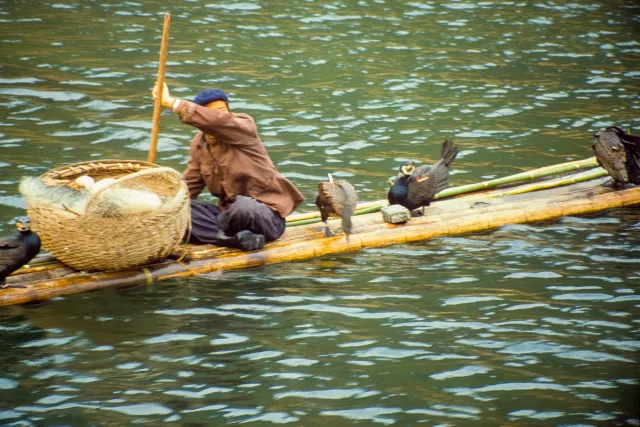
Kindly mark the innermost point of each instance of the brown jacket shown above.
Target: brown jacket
(236, 164)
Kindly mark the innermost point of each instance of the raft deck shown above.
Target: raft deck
(454, 216)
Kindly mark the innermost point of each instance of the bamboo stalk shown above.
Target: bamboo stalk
(452, 209)
(543, 172)
(573, 179)
(313, 217)
(523, 176)
(315, 214)
(157, 106)
(477, 219)
(313, 220)
(362, 223)
(40, 263)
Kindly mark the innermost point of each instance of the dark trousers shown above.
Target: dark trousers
(245, 213)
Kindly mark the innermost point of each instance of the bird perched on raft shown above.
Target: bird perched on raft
(619, 154)
(336, 197)
(415, 187)
(18, 249)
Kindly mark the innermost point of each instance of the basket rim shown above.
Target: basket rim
(132, 176)
(97, 164)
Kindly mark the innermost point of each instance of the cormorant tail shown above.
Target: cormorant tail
(347, 213)
(625, 137)
(631, 144)
(449, 153)
(349, 200)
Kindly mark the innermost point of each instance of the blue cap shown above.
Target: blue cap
(209, 95)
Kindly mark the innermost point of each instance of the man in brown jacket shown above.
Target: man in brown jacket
(228, 157)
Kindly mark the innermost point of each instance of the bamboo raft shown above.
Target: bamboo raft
(486, 207)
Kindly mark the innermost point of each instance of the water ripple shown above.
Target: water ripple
(173, 337)
(462, 372)
(510, 326)
(356, 393)
(50, 95)
(321, 308)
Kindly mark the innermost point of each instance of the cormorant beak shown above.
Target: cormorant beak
(390, 182)
(408, 169)
(22, 226)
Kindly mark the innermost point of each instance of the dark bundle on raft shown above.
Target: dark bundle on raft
(618, 153)
(416, 187)
(337, 197)
(18, 249)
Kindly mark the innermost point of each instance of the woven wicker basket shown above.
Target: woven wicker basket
(93, 242)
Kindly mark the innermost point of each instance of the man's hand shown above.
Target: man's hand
(167, 100)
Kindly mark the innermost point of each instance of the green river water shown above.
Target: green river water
(527, 325)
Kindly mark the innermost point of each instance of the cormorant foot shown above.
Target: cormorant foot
(328, 233)
(479, 204)
(417, 213)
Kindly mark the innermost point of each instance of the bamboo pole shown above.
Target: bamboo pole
(523, 176)
(451, 206)
(452, 209)
(477, 219)
(314, 219)
(573, 179)
(301, 219)
(157, 106)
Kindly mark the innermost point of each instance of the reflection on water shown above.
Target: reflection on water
(526, 325)
(551, 336)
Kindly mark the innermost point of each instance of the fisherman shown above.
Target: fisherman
(228, 157)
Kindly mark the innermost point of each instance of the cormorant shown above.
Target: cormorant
(17, 250)
(416, 187)
(336, 197)
(618, 153)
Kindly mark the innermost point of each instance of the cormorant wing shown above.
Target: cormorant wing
(9, 250)
(422, 171)
(611, 155)
(9, 245)
(438, 175)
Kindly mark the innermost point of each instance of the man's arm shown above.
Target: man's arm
(224, 126)
(192, 176)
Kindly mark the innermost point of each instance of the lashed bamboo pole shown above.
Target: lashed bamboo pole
(452, 208)
(523, 176)
(304, 218)
(455, 208)
(363, 223)
(157, 106)
(480, 219)
(573, 179)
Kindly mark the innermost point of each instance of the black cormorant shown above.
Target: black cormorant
(18, 249)
(618, 153)
(337, 197)
(415, 187)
